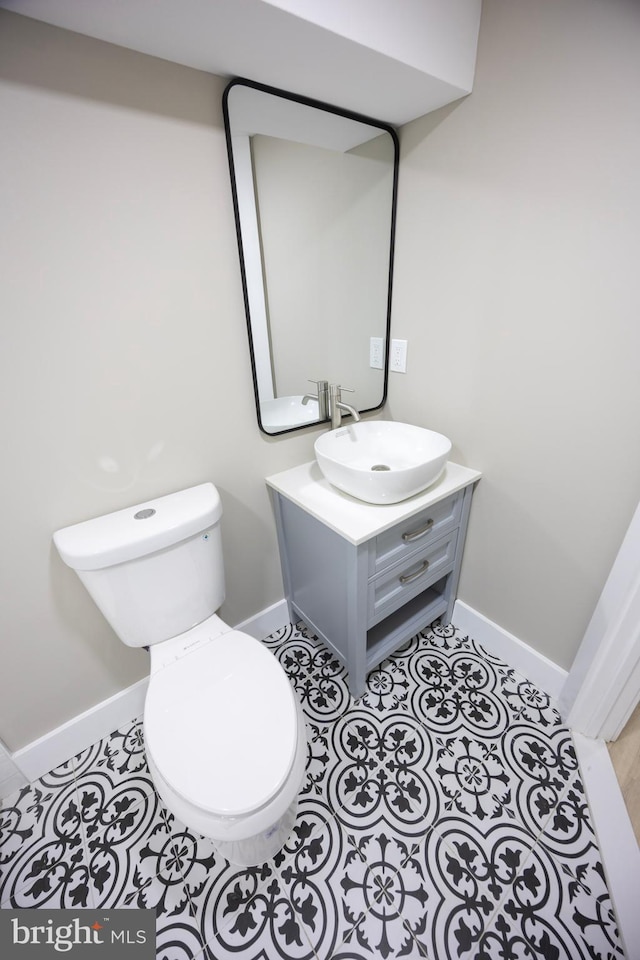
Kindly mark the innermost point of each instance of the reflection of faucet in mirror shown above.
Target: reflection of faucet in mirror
(322, 396)
(336, 406)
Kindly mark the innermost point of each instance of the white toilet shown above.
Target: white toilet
(224, 731)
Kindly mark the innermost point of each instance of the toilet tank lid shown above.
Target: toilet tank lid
(139, 530)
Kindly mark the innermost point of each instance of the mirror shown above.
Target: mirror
(314, 191)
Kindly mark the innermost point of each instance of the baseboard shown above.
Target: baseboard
(267, 621)
(11, 778)
(77, 734)
(616, 839)
(59, 745)
(499, 642)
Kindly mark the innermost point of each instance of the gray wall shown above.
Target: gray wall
(124, 365)
(518, 288)
(125, 369)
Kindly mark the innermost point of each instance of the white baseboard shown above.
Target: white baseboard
(496, 640)
(266, 622)
(59, 745)
(77, 734)
(616, 839)
(11, 778)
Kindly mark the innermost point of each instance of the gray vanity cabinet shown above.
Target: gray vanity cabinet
(363, 577)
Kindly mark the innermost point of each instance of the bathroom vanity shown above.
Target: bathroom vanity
(366, 577)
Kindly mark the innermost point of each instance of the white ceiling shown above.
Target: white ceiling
(302, 52)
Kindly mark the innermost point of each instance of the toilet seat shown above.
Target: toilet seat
(221, 725)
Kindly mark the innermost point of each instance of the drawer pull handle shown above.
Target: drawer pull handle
(416, 534)
(410, 577)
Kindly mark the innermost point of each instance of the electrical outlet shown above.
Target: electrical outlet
(376, 352)
(398, 361)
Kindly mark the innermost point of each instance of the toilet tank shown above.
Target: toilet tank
(154, 569)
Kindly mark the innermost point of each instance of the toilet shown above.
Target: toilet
(224, 731)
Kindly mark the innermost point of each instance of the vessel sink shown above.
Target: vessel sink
(381, 461)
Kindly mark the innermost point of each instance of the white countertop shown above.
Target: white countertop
(353, 519)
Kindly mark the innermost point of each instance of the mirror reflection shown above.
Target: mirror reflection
(314, 192)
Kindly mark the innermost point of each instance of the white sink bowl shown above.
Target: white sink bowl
(284, 412)
(381, 461)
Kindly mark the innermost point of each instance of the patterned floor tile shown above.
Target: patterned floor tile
(516, 898)
(422, 899)
(321, 758)
(20, 822)
(104, 799)
(444, 684)
(202, 859)
(131, 852)
(42, 852)
(121, 753)
(177, 934)
(471, 778)
(569, 840)
(554, 910)
(391, 883)
(442, 816)
(178, 938)
(382, 774)
(318, 677)
(457, 692)
(542, 762)
(527, 702)
(518, 777)
(317, 880)
(234, 905)
(438, 636)
(113, 773)
(364, 944)
(390, 686)
(470, 872)
(247, 909)
(282, 635)
(59, 777)
(569, 830)
(273, 931)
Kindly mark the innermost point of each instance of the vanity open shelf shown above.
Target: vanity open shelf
(366, 577)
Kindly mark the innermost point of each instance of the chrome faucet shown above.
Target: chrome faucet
(322, 396)
(336, 406)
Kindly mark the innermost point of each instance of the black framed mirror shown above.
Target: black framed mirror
(314, 191)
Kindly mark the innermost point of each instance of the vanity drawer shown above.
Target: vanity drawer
(413, 574)
(415, 533)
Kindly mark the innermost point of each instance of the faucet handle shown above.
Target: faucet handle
(337, 389)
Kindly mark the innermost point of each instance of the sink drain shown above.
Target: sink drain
(380, 466)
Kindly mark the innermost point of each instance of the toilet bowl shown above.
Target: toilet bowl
(224, 738)
(224, 731)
